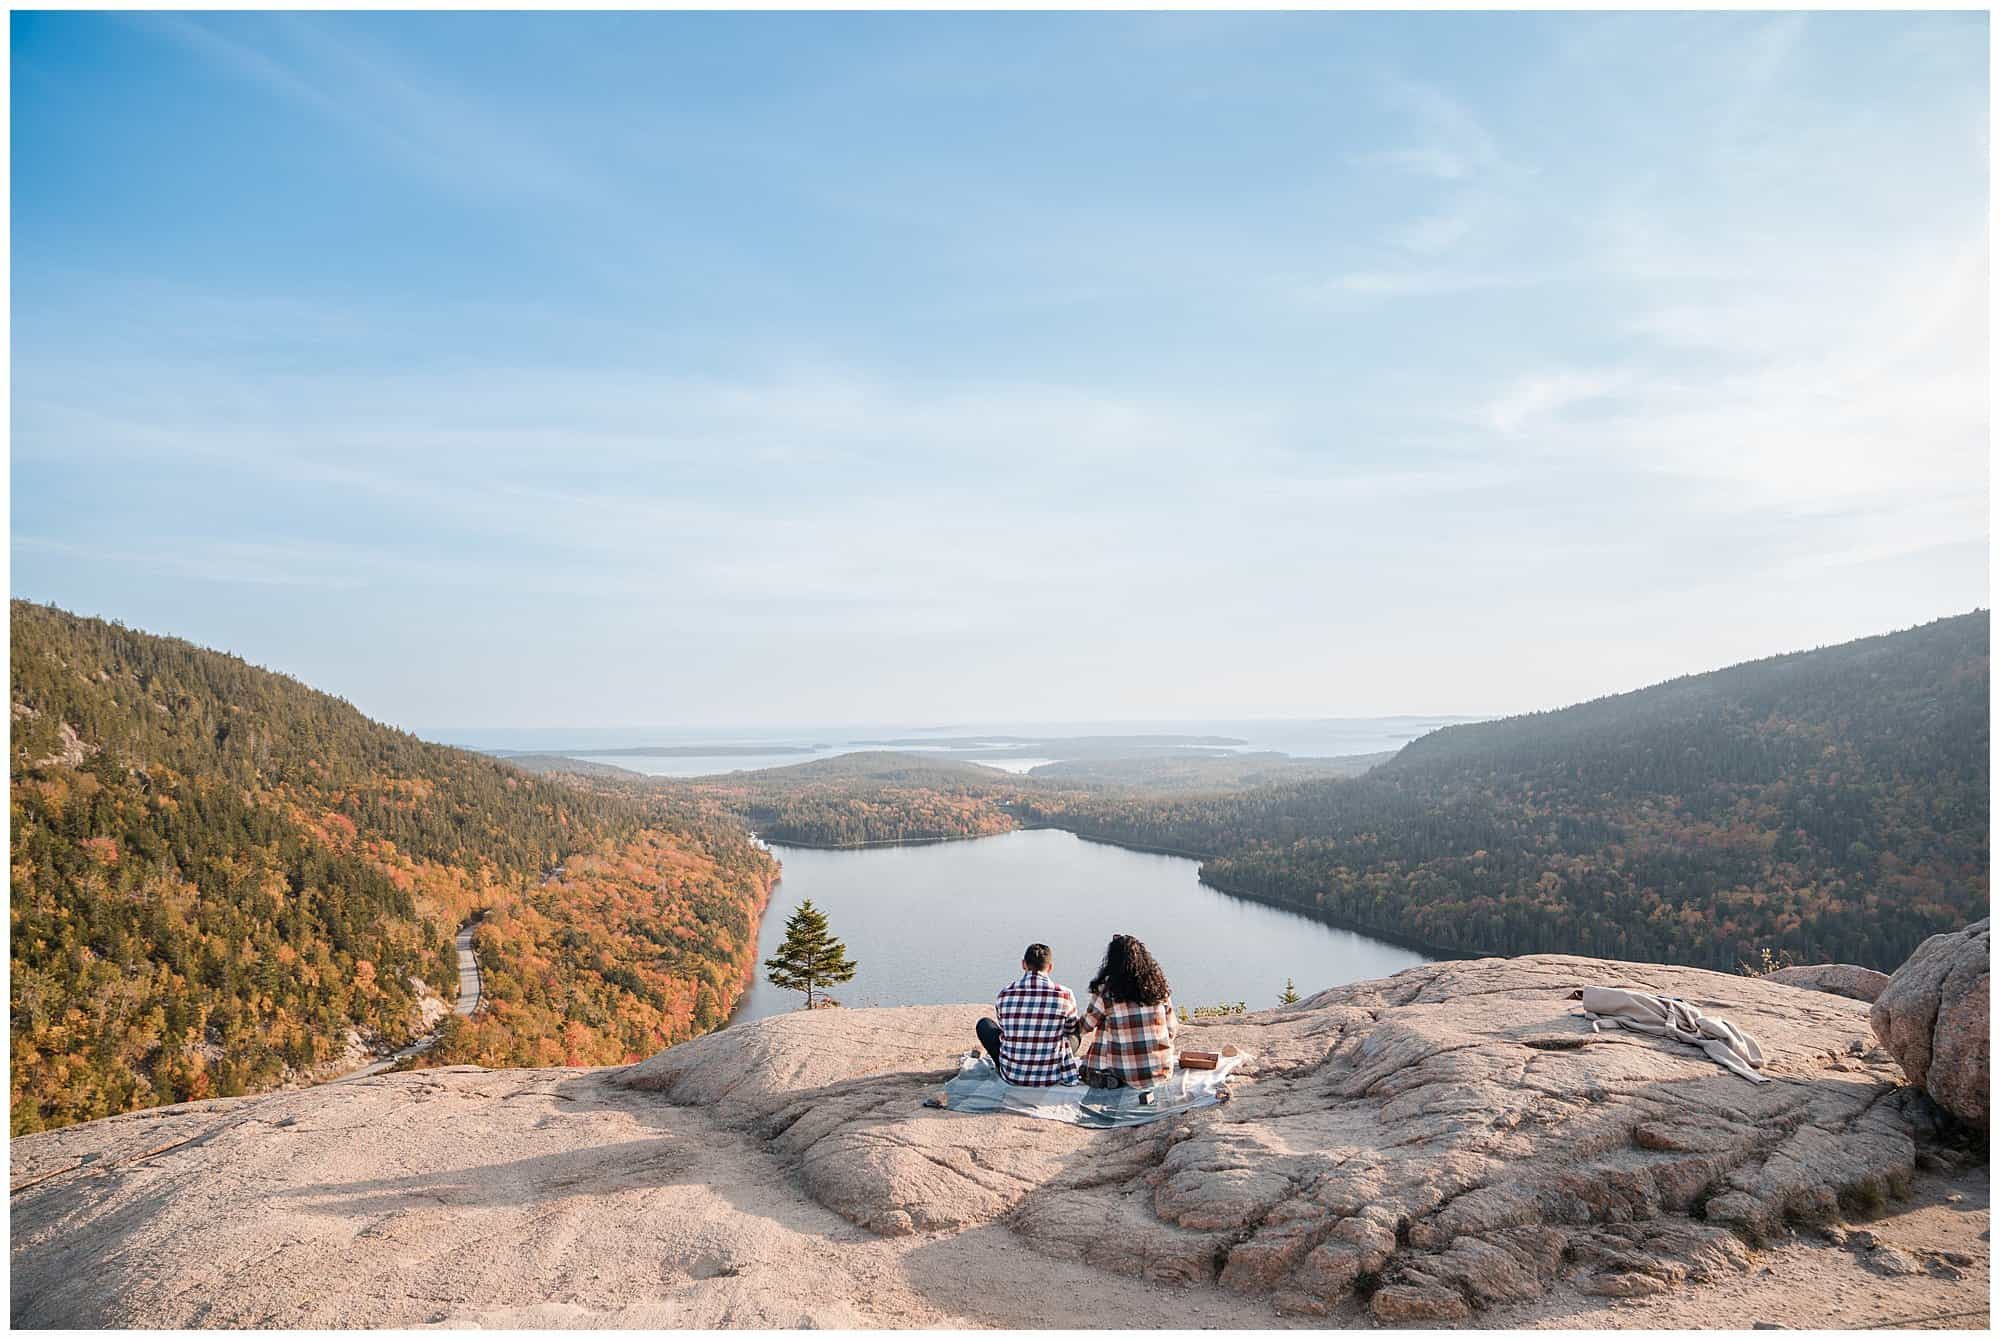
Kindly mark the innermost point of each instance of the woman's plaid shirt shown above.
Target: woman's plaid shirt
(1135, 1042)
(1037, 1016)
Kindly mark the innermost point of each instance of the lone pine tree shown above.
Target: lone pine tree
(810, 958)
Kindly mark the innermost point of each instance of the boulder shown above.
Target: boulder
(1842, 979)
(1933, 1018)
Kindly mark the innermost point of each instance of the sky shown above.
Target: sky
(514, 370)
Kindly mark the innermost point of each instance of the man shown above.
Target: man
(1031, 1043)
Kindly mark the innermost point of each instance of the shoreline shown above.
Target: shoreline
(756, 934)
(1433, 952)
(1437, 952)
(1285, 905)
(880, 842)
(764, 909)
(1119, 842)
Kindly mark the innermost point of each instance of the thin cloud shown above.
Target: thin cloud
(1531, 402)
(1456, 135)
(1426, 282)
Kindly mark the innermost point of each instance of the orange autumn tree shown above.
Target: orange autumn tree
(221, 876)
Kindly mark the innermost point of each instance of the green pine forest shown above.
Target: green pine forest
(1831, 805)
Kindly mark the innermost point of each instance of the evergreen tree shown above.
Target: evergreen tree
(810, 958)
(1290, 995)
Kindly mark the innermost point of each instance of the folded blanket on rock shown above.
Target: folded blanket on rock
(1672, 1017)
(977, 1087)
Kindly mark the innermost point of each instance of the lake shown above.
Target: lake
(947, 921)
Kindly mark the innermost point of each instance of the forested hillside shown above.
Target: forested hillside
(853, 799)
(885, 797)
(1223, 772)
(1831, 804)
(219, 873)
(624, 950)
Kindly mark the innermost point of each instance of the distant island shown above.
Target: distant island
(664, 751)
(1176, 770)
(1091, 743)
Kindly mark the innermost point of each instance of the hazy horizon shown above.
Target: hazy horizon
(489, 736)
(1297, 736)
(643, 371)
(963, 723)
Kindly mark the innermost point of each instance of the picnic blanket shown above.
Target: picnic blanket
(1672, 1017)
(977, 1087)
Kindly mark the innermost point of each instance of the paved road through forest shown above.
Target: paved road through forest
(468, 1001)
(468, 972)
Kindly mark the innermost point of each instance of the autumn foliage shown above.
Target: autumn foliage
(624, 953)
(223, 881)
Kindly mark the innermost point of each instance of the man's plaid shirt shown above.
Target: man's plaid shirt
(1133, 1041)
(1037, 1015)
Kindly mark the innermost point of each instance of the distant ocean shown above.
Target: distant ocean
(1323, 737)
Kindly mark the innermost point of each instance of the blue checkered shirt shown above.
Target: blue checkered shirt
(1037, 1015)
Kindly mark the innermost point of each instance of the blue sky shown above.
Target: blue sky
(516, 370)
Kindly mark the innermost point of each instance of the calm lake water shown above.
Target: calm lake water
(946, 922)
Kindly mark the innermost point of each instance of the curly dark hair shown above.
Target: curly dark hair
(1129, 974)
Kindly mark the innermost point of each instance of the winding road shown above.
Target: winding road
(468, 972)
(468, 1001)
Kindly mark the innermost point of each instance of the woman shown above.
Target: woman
(1132, 1013)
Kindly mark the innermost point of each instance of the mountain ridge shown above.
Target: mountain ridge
(1831, 804)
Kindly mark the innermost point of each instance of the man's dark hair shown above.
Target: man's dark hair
(1038, 958)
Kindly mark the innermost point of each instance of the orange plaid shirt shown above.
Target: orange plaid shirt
(1134, 1042)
